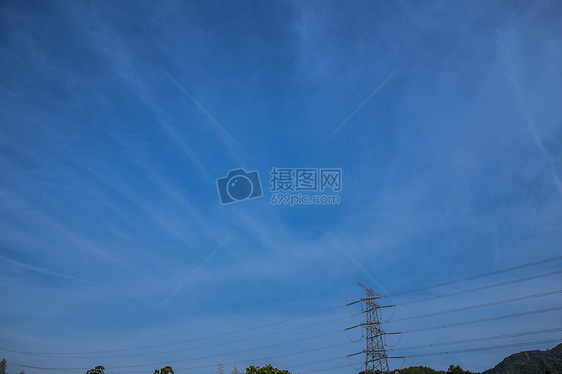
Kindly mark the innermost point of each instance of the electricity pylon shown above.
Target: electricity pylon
(375, 354)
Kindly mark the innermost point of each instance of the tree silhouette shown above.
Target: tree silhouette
(164, 370)
(456, 370)
(269, 369)
(97, 370)
(220, 369)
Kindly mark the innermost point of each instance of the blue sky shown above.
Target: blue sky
(109, 201)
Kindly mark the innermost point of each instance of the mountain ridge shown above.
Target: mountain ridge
(530, 362)
(525, 362)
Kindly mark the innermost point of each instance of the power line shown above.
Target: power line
(483, 287)
(474, 340)
(323, 370)
(479, 349)
(260, 358)
(468, 291)
(198, 347)
(505, 316)
(318, 361)
(188, 340)
(500, 271)
(192, 359)
(221, 354)
(490, 248)
(192, 367)
(493, 303)
(335, 308)
(228, 353)
(306, 315)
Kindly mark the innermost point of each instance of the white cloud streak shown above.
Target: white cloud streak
(195, 271)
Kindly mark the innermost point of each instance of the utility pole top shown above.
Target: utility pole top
(366, 289)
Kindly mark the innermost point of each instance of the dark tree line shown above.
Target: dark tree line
(269, 369)
(3, 365)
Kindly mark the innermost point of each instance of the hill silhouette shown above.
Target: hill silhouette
(531, 362)
(526, 362)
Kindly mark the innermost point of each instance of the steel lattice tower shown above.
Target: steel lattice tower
(375, 354)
